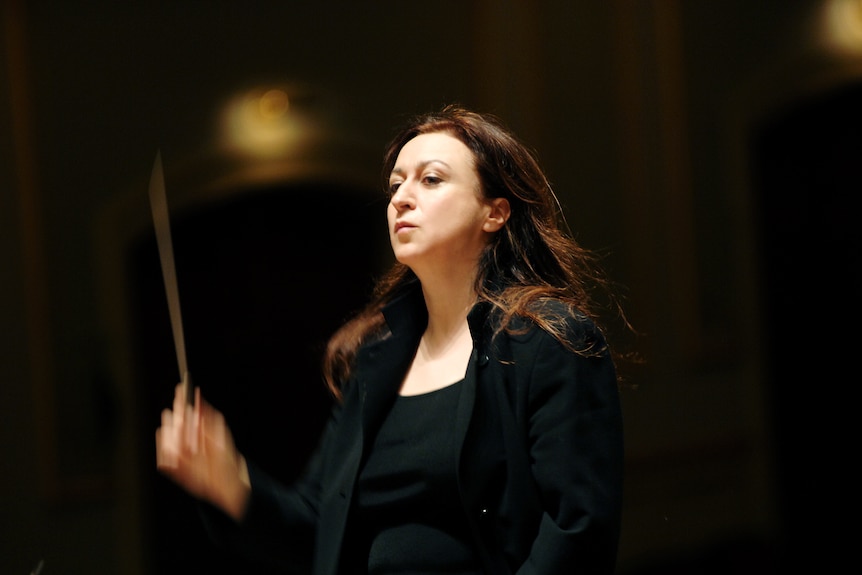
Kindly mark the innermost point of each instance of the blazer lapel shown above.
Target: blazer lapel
(381, 369)
(381, 377)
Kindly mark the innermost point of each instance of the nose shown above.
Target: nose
(403, 197)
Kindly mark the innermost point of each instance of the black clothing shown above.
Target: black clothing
(408, 513)
(538, 429)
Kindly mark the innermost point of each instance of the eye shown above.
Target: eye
(432, 180)
(393, 187)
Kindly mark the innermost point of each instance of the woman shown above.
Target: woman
(478, 426)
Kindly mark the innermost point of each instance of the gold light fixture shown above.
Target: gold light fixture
(841, 26)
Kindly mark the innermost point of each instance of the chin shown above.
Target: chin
(406, 257)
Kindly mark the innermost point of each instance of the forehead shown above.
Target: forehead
(436, 146)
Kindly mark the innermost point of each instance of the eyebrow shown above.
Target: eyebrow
(421, 165)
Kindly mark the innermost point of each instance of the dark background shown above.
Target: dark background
(709, 149)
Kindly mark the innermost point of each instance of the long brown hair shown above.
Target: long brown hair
(533, 259)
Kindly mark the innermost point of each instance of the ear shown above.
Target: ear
(497, 216)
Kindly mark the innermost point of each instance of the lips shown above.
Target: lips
(403, 226)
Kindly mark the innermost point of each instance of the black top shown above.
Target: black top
(408, 517)
(538, 430)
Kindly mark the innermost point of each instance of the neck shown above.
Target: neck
(448, 307)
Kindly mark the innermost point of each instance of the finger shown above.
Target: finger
(195, 423)
(166, 430)
(167, 418)
(214, 427)
(168, 435)
(191, 424)
(179, 398)
(166, 457)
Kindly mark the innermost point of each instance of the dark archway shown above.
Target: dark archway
(264, 278)
(806, 165)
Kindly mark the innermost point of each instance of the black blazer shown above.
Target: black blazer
(541, 462)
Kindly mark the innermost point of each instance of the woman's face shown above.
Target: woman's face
(436, 214)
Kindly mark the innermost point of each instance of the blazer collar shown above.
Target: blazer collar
(382, 364)
(407, 316)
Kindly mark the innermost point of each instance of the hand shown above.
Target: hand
(195, 448)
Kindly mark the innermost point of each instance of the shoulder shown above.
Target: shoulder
(558, 356)
(557, 321)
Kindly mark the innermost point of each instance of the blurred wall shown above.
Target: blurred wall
(641, 111)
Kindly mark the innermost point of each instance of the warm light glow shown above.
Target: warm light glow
(260, 123)
(274, 104)
(842, 25)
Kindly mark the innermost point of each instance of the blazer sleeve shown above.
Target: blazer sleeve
(279, 525)
(575, 442)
